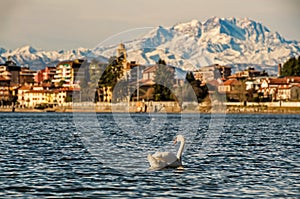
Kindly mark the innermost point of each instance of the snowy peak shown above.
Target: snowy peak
(237, 28)
(38, 59)
(25, 50)
(193, 28)
(157, 36)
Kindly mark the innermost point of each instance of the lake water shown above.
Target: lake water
(61, 155)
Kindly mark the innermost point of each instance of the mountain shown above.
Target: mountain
(38, 59)
(232, 41)
(239, 42)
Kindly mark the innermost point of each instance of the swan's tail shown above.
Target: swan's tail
(154, 163)
(151, 159)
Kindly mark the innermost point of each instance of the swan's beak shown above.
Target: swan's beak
(175, 141)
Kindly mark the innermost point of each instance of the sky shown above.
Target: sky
(68, 24)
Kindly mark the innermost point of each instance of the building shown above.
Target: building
(27, 76)
(11, 70)
(148, 75)
(4, 90)
(62, 96)
(45, 75)
(66, 72)
(295, 93)
(249, 73)
(23, 99)
(254, 83)
(105, 94)
(227, 86)
(38, 96)
(208, 73)
(280, 88)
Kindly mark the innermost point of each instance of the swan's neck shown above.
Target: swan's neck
(180, 150)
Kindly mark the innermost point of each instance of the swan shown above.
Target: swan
(161, 160)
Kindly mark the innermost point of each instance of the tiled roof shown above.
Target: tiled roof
(150, 69)
(147, 82)
(4, 79)
(230, 82)
(25, 88)
(39, 91)
(284, 80)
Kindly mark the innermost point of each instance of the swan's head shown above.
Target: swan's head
(178, 138)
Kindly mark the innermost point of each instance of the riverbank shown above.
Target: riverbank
(164, 107)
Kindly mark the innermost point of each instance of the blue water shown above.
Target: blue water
(46, 155)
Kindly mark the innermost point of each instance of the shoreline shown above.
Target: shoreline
(170, 110)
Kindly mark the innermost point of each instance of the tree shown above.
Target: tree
(240, 89)
(112, 73)
(164, 81)
(200, 91)
(68, 99)
(88, 80)
(161, 62)
(61, 83)
(291, 67)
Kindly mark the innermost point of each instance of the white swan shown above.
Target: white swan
(160, 160)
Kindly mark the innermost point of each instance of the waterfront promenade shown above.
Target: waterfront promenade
(170, 107)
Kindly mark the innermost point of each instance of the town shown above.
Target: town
(57, 86)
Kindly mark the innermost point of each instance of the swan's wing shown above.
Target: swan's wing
(156, 163)
(167, 157)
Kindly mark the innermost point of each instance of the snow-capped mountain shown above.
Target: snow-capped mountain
(38, 59)
(231, 41)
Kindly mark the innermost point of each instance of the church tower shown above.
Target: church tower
(122, 56)
(121, 51)
(279, 70)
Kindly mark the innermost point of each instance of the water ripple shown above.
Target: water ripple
(43, 156)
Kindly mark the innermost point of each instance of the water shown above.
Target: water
(43, 155)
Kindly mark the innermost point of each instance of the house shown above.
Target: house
(228, 86)
(32, 97)
(22, 99)
(249, 73)
(62, 96)
(11, 70)
(295, 92)
(254, 83)
(66, 72)
(27, 76)
(46, 74)
(234, 89)
(279, 88)
(288, 92)
(147, 81)
(105, 94)
(4, 90)
(148, 75)
(216, 71)
(283, 92)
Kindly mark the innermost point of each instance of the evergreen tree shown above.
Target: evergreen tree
(200, 91)
(161, 62)
(291, 67)
(112, 73)
(88, 78)
(164, 81)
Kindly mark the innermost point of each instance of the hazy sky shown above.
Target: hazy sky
(66, 24)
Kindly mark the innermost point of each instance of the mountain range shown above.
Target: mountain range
(238, 42)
